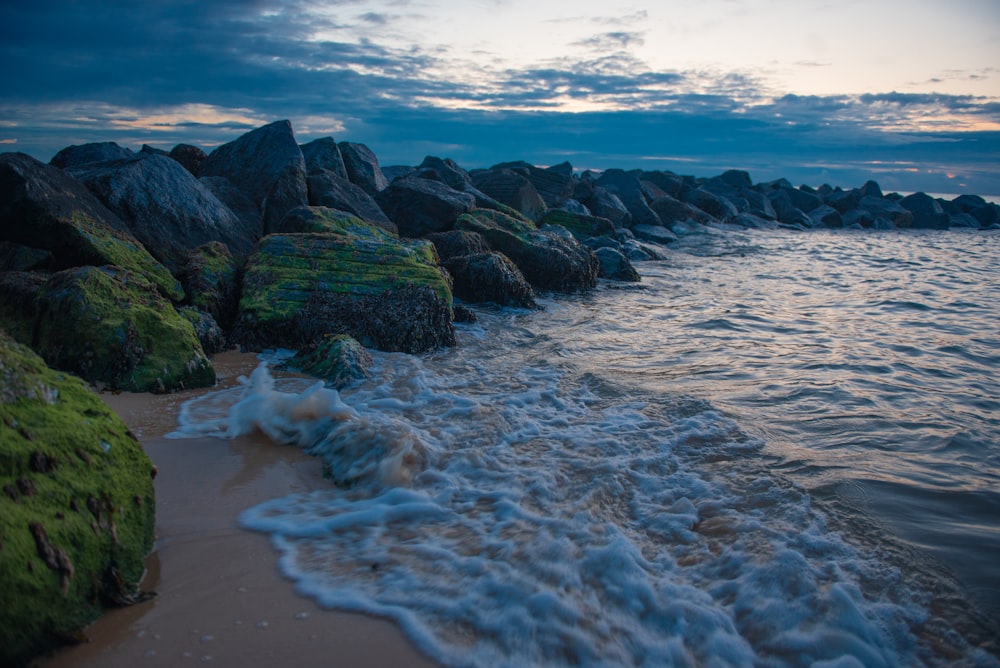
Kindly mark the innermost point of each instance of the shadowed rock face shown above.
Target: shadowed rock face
(42, 207)
(329, 190)
(512, 189)
(267, 165)
(324, 155)
(165, 207)
(490, 277)
(362, 167)
(190, 157)
(73, 156)
(76, 508)
(421, 206)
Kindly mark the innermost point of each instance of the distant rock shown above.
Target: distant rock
(329, 190)
(77, 509)
(323, 155)
(582, 226)
(656, 234)
(267, 165)
(44, 208)
(490, 277)
(887, 209)
(630, 192)
(605, 204)
(421, 206)
(73, 156)
(362, 167)
(615, 266)
(146, 148)
(513, 189)
(550, 260)
(712, 204)
(190, 157)
(671, 210)
(448, 172)
(165, 206)
(921, 203)
(826, 216)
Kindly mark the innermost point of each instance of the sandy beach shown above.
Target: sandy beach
(220, 597)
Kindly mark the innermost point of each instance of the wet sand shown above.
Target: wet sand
(220, 597)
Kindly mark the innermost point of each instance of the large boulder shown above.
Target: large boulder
(387, 293)
(921, 203)
(238, 202)
(714, 205)
(328, 189)
(165, 206)
(421, 206)
(582, 226)
(615, 266)
(210, 276)
(448, 171)
(267, 165)
(554, 184)
(190, 157)
(323, 155)
(605, 204)
(363, 168)
(888, 210)
(455, 243)
(490, 277)
(512, 189)
(110, 327)
(628, 189)
(73, 156)
(671, 210)
(44, 208)
(77, 508)
(826, 216)
(19, 303)
(551, 259)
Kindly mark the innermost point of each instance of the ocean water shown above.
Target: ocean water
(778, 449)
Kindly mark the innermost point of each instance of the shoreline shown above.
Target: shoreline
(220, 596)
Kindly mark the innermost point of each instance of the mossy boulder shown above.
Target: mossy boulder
(582, 226)
(338, 360)
(211, 278)
(298, 288)
(42, 207)
(111, 327)
(551, 259)
(19, 303)
(76, 508)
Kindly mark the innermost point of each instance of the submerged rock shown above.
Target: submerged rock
(108, 326)
(77, 508)
(42, 207)
(338, 360)
(615, 266)
(387, 293)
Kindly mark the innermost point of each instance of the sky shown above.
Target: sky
(905, 92)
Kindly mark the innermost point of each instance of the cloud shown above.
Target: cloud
(612, 40)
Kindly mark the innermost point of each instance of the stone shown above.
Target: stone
(826, 216)
(455, 243)
(267, 165)
(238, 202)
(328, 189)
(210, 276)
(77, 544)
(923, 220)
(656, 234)
(921, 203)
(871, 189)
(605, 204)
(206, 329)
(421, 206)
(844, 200)
(671, 210)
(19, 303)
(718, 207)
(165, 207)
(73, 156)
(858, 218)
(337, 360)
(512, 189)
(387, 293)
(888, 209)
(615, 266)
(630, 192)
(582, 226)
(109, 326)
(490, 277)
(18, 257)
(146, 148)
(190, 158)
(42, 207)
(323, 155)
(448, 172)
(550, 259)
(362, 167)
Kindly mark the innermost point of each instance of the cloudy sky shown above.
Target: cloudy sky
(838, 91)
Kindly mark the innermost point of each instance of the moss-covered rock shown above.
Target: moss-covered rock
(211, 278)
(339, 360)
(209, 333)
(583, 227)
(19, 303)
(76, 507)
(110, 326)
(41, 207)
(347, 280)
(490, 277)
(551, 259)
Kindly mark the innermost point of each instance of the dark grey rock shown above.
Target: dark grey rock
(448, 172)
(328, 189)
(921, 203)
(238, 202)
(671, 210)
(826, 216)
(190, 157)
(888, 209)
(490, 277)
(323, 155)
(512, 189)
(420, 206)
(362, 167)
(107, 151)
(615, 266)
(656, 234)
(712, 204)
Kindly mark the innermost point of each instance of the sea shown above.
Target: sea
(780, 448)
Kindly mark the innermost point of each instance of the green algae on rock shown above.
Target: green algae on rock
(76, 508)
(211, 279)
(582, 227)
(111, 327)
(300, 287)
(338, 360)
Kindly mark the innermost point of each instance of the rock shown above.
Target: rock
(337, 360)
(387, 293)
(754, 222)
(968, 203)
(921, 203)
(615, 266)
(109, 326)
(238, 202)
(825, 216)
(930, 221)
(966, 220)
(549, 260)
(448, 172)
(553, 184)
(887, 209)
(44, 208)
(323, 155)
(332, 191)
(490, 277)
(582, 226)
(871, 189)
(421, 206)
(668, 182)
(858, 218)
(18, 257)
(455, 243)
(190, 158)
(146, 148)
(78, 521)
(843, 201)
(988, 215)
(628, 189)
(671, 210)
(267, 165)
(512, 189)
(576, 207)
(712, 204)
(656, 234)
(165, 207)
(636, 251)
(210, 276)
(605, 204)
(362, 168)
(206, 329)
(73, 156)
(19, 303)
(394, 172)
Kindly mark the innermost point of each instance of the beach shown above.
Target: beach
(219, 595)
